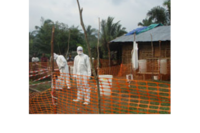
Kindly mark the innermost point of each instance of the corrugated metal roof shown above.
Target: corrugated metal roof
(161, 33)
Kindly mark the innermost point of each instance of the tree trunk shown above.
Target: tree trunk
(98, 52)
(52, 71)
(159, 59)
(88, 45)
(152, 58)
(108, 55)
(68, 45)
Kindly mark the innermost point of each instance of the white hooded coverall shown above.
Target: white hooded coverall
(35, 59)
(35, 65)
(82, 72)
(64, 70)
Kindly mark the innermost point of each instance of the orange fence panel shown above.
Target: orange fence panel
(118, 96)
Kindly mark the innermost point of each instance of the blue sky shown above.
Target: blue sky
(128, 12)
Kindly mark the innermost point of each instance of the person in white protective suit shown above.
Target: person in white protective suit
(64, 70)
(82, 72)
(35, 61)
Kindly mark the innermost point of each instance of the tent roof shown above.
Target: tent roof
(143, 29)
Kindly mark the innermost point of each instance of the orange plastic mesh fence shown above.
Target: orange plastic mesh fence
(152, 65)
(113, 70)
(40, 102)
(152, 68)
(35, 66)
(118, 96)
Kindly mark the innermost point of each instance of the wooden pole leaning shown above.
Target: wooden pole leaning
(152, 58)
(89, 51)
(52, 72)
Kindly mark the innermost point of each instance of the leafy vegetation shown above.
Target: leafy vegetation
(158, 14)
(40, 38)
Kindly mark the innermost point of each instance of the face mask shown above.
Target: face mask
(80, 52)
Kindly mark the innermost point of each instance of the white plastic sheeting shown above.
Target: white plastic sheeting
(135, 56)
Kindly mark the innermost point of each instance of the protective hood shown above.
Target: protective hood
(79, 50)
(55, 56)
(35, 59)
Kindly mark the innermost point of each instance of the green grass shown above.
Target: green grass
(40, 81)
(140, 91)
(40, 87)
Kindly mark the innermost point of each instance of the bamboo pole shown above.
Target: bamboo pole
(108, 56)
(68, 45)
(52, 69)
(152, 58)
(159, 58)
(88, 45)
(98, 51)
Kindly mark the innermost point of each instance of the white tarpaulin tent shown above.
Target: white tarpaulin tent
(135, 56)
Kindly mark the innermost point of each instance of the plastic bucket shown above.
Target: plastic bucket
(142, 65)
(105, 83)
(163, 66)
(155, 77)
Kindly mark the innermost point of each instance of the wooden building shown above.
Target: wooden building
(152, 49)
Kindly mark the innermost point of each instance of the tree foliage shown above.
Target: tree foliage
(40, 38)
(110, 30)
(158, 14)
(145, 22)
(167, 3)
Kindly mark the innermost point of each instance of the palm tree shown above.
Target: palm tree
(109, 31)
(42, 37)
(92, 38)
(31, 44)
(91, 31)
(167, 3)
(92, 35)
(158, 15)
(145, 22)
